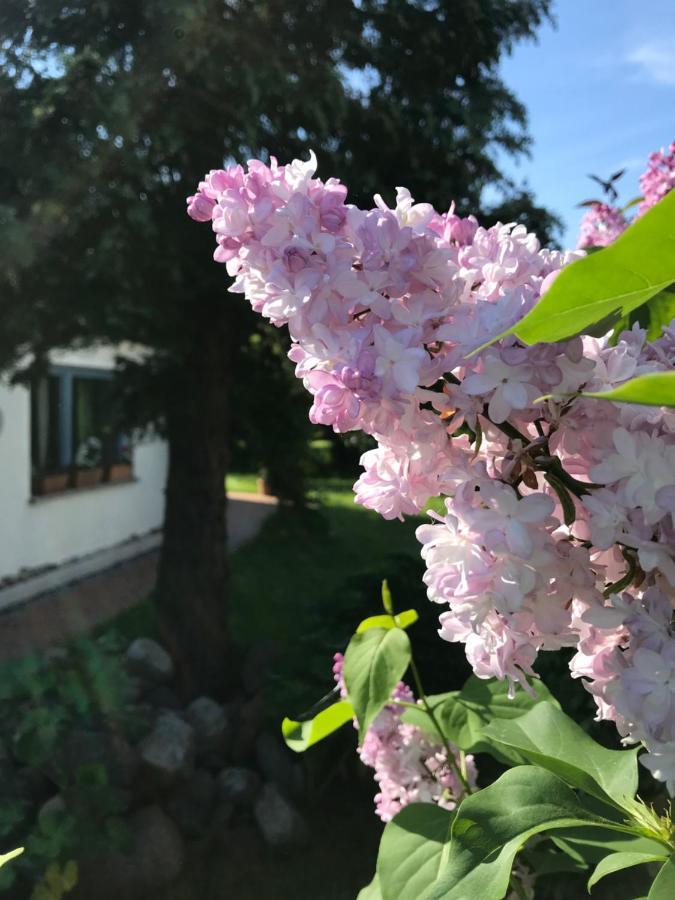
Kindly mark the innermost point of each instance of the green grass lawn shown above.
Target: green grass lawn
(307, 579)
(301, 556)
(243, 482)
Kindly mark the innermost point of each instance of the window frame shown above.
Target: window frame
(65, 376)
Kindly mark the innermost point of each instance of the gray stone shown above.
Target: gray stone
(169, 750)
(149, 661)
(52, 807)
(250, 717)
(191, 803)
(155, 859)
(159, 846)
(238, 785)
(212, 730)
(134, 689)
(280, 824)
(276, 763)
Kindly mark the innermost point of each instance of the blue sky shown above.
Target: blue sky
(600, 93)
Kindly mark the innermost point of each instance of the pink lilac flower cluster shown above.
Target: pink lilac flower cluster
(600, 226)
(659, 179)
(409, 766)
(549, 503)
(602, 223)
(627, 652)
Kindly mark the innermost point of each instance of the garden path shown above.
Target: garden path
(75, 609)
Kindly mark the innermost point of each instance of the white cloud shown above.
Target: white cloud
(655, 60)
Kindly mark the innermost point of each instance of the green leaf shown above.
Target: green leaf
(663, 886)
(661, 311)
(652, 315)
(382, 621)
(550, 861)
(371, 891)
(387, 602)
(301, 735)
(400, 620)
(616, 280)
(70, 875)
(631, 203)
(590, 845)
(413, 851)
(654, 389)
(406, 618)
(5, 858)
(493, 825)
(464, 715)
(374, 663)
(615, 862)
(546, 737)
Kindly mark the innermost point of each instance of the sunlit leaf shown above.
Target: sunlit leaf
(400, 620)
(387, 601)
(546, 737)
(464, 715)
(301, 735)
(413, 851)
(374, 663)
(5, 858)
(616, 280)
(653, 389)
(492, 825)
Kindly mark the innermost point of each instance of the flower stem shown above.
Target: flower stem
(460, 772)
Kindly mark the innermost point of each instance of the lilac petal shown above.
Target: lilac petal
(516, 393)
(665, 498)
(499, 408)
(518, 539)
(534, 508)
(479, 383)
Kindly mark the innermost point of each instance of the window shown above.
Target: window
(75, 439)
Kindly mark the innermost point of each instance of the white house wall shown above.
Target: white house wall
(55, 528)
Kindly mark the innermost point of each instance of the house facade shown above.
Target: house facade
(71, 484)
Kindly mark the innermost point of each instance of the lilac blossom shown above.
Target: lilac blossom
(659, 178)
(384, 308)
(409, 765)
(600, 226)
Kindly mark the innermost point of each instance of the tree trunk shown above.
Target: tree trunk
(191, 594)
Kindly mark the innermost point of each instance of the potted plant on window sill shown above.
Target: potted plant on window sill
(119, 471)
(50, 482)
(88, 470)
